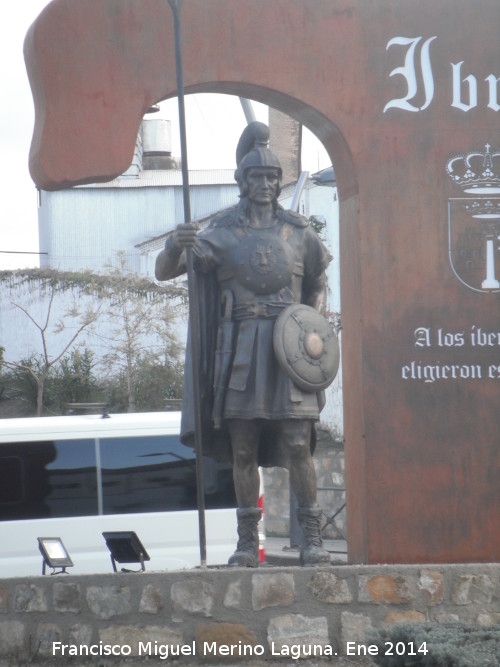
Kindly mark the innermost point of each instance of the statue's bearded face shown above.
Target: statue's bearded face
(263, 184)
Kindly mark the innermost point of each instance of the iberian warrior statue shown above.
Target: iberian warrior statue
(267, 353)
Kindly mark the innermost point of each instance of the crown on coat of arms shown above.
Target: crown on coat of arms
(484, 209)
(475, 172)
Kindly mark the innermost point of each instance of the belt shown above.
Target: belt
(270, 311)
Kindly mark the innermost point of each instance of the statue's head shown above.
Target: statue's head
(252, 151)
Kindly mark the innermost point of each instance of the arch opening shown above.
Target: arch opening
(322, 127)
(347, 188)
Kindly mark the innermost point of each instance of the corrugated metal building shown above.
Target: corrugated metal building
(85, 226)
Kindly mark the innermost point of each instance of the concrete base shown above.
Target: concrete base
(278, 614)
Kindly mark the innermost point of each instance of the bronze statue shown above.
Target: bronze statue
(254, 264)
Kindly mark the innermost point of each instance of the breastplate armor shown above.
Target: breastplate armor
(263, 262)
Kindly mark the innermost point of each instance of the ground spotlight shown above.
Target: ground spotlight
(125, 547)
(54, 555)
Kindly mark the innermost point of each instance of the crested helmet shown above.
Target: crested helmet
(252, 151)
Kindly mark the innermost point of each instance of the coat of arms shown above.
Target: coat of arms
(474, 220)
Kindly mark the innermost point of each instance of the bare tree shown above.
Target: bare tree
(139, 318)
(82, 321)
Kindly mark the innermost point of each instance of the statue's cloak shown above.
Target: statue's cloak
(215, 442)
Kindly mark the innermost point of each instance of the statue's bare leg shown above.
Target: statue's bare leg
(244, 436)
(296, 435)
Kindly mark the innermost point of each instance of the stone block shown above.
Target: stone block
(3, 600)
(383, 589)
(80, 634)
(410, 616)
(46, 634)
(151, 599)
(196, 596)
(12, 638)
(67, 598)
(277, 492)
(483, 589)
(216, 641)
(233, 596)
(338, 479)
(150, 641)
(354, 627)
(327, 587)
(446, 617)
(488, 618)
(431, 582)
(468, 589)
(272, 590)
(29, 598)
(108, 601)
(295, 632)
(462, 589)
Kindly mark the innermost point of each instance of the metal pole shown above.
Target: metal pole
(296, 535)
(193, 292)
(299, 188)
(247, 107)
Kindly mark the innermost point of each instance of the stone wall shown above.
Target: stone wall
(201, 614)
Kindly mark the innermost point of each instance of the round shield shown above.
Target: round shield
(306, 347)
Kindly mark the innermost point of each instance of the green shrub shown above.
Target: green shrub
(72, 381)
(438, 645)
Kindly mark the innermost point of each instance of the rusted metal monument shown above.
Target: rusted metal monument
(408, 108)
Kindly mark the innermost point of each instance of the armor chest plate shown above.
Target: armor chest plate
(263, 262)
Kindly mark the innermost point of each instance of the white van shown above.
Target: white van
(79, 476)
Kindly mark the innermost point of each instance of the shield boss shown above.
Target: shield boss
(306, 347)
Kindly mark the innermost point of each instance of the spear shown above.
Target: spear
(193, 292)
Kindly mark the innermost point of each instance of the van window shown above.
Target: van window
(72, 479)
(49, 479)
(65, 478)
(11, 480)
(157, 474)
(147, 474)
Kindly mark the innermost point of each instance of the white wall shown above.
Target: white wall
(21, 338)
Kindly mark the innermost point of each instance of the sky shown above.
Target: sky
(214, 123)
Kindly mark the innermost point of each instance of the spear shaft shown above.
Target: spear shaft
(192, 288)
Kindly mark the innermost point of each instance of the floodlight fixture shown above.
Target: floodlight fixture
(125, 547)
(54, 554)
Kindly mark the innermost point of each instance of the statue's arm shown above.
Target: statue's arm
(316, 260)
(315, 295)
(171, 261)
